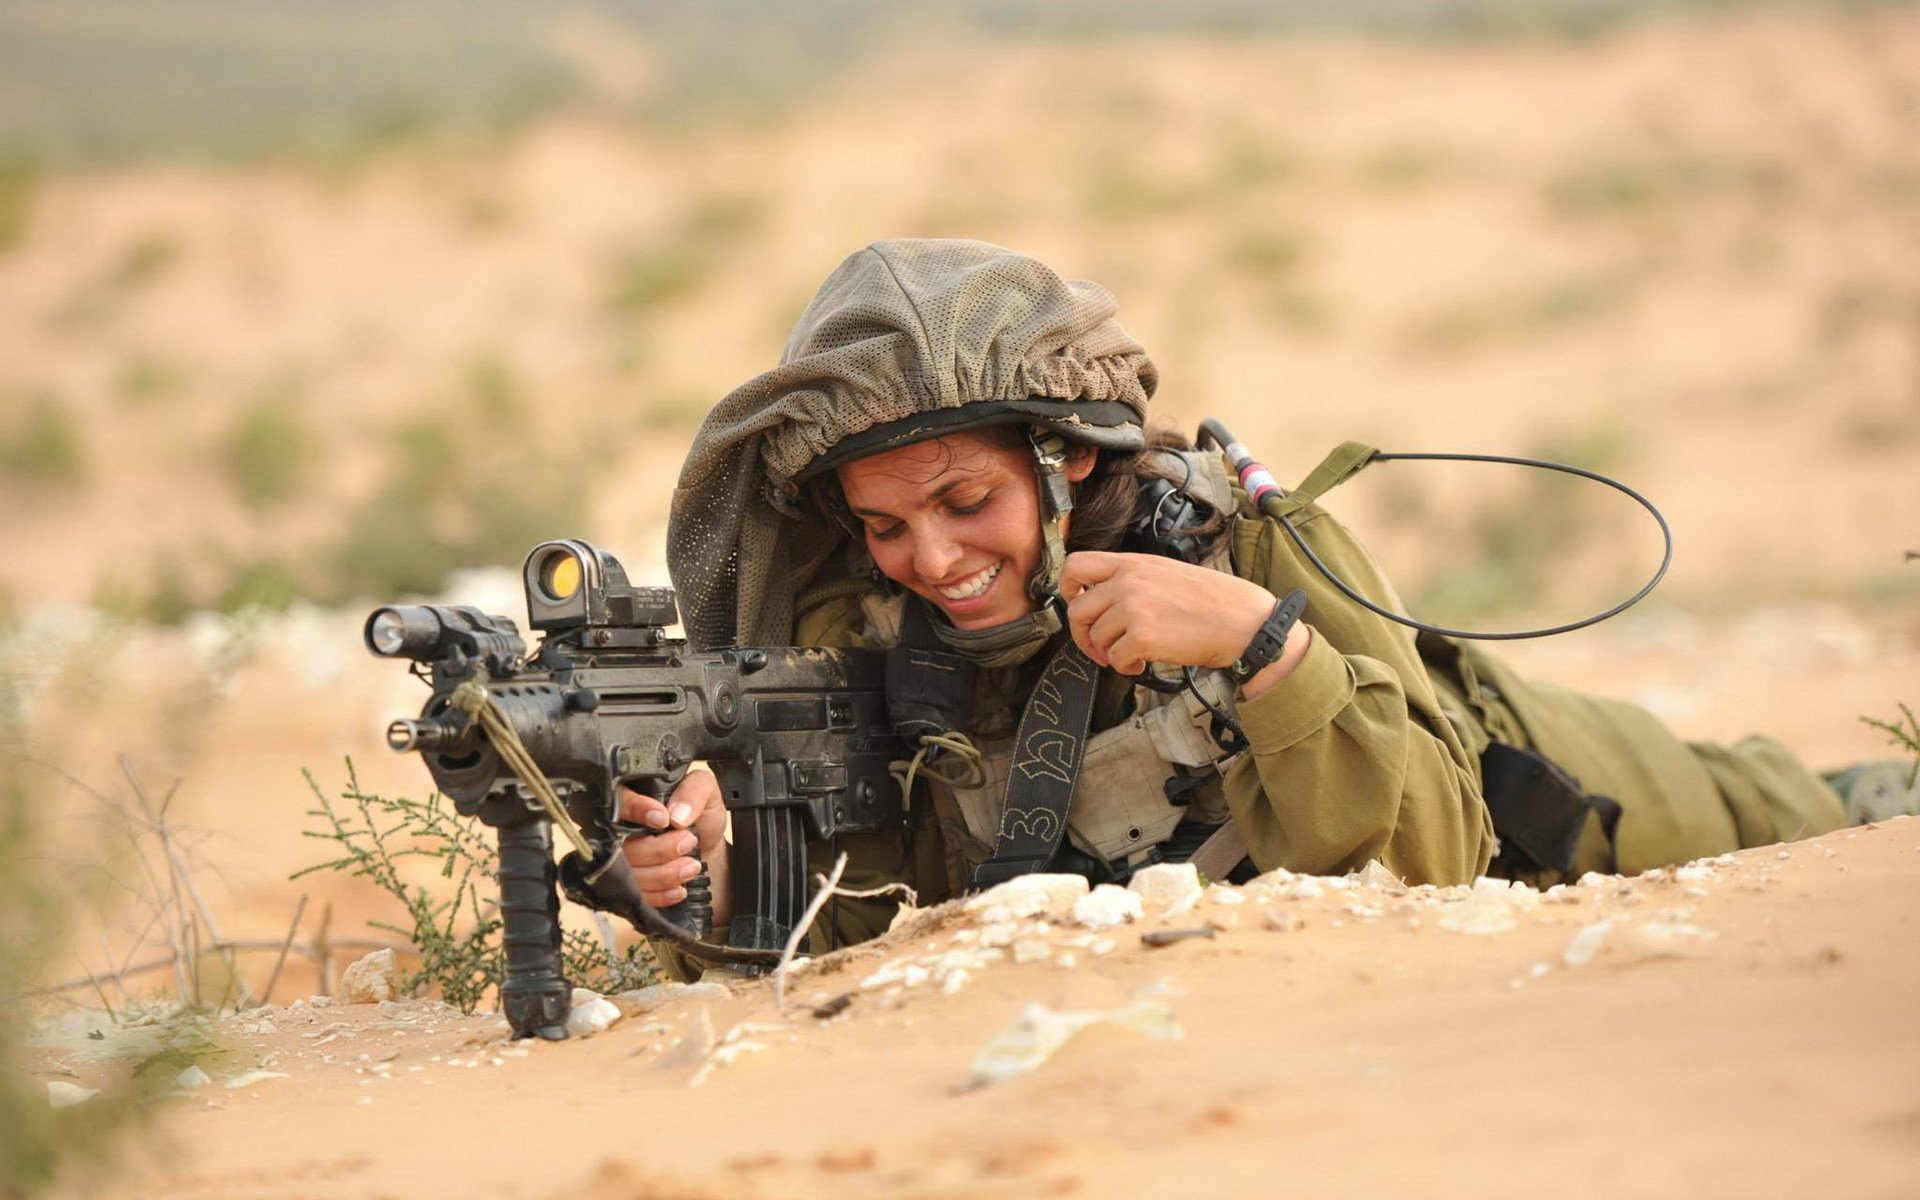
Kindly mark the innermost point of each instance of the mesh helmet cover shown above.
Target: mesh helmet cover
(902, 332)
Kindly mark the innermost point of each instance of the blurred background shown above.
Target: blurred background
(310, 305)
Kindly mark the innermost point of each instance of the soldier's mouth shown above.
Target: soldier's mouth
(972, 586)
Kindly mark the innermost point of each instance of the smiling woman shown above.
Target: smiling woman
(952, 462)
(947, 518)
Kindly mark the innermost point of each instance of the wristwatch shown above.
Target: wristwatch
(1270, 639)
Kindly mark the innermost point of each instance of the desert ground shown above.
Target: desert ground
(1741, 1026)
(243, 401)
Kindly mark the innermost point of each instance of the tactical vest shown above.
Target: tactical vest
(1149, 788)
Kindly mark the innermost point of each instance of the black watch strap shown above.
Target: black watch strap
(1270, 639)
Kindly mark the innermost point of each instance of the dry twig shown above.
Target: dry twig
(829, 888)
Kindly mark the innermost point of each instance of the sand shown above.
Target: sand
(1744, 1029)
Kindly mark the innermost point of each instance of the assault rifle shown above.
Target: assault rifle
(799, 740)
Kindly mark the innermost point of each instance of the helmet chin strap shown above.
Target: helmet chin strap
(1056, 501)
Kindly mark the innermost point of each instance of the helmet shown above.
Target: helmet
(908, 339)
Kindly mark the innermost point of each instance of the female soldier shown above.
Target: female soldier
(954, 443)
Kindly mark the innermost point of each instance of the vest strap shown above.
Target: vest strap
(1340, 465)
(1047, 750)
(1221, 852)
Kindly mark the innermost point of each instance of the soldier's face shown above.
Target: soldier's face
(956, 521)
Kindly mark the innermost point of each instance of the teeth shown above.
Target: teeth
(972, 587)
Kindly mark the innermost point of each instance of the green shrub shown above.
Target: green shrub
(142, 262)
(147, 377)
(19, 187)
(454, 496)
(41, 1146)
(1510, 549)
(46, 449)
(648, 278)
(1403, 167)
(498, 395)
(265, 583)
(269, 454)
(1265, 253)
(1904, 732)
(1606, 187)
(456, 926)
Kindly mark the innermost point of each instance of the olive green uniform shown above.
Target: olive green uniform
(1370, 750)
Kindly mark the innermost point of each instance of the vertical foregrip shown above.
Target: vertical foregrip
(535, 994)
(695, 913)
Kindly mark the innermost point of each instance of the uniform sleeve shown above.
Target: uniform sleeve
(1351, 757)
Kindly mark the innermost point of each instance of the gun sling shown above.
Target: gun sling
(1047, 750)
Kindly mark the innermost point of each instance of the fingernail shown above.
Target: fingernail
(687, 844)
(689, 870)
(676, 896)
(657, 817)
(682, 813)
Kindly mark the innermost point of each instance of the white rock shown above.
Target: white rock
(1278, 877)
(1304, 888)
(1594, 879)
(1481, 914)
(1174, 887)
(1671, 937)
(1030, 896)
(192, 1077)
(693, 1046)
(1106, 906)
(1028, 950)
(1693, 873)
(1508, 891)
(61, 1094)
(249, 1078)
(1001, 934)
(886, 974)
(1586, 944)
(1218, 894)
(1039, 1031)
(372, 979)
(1376, 875)
(1281, 919)
(591, 1013)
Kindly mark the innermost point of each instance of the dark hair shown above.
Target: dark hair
(1105, 501)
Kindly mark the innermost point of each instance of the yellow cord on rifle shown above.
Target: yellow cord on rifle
(473, 699)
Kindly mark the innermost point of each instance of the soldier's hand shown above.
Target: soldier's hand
(1126, 610)
(692, 815)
